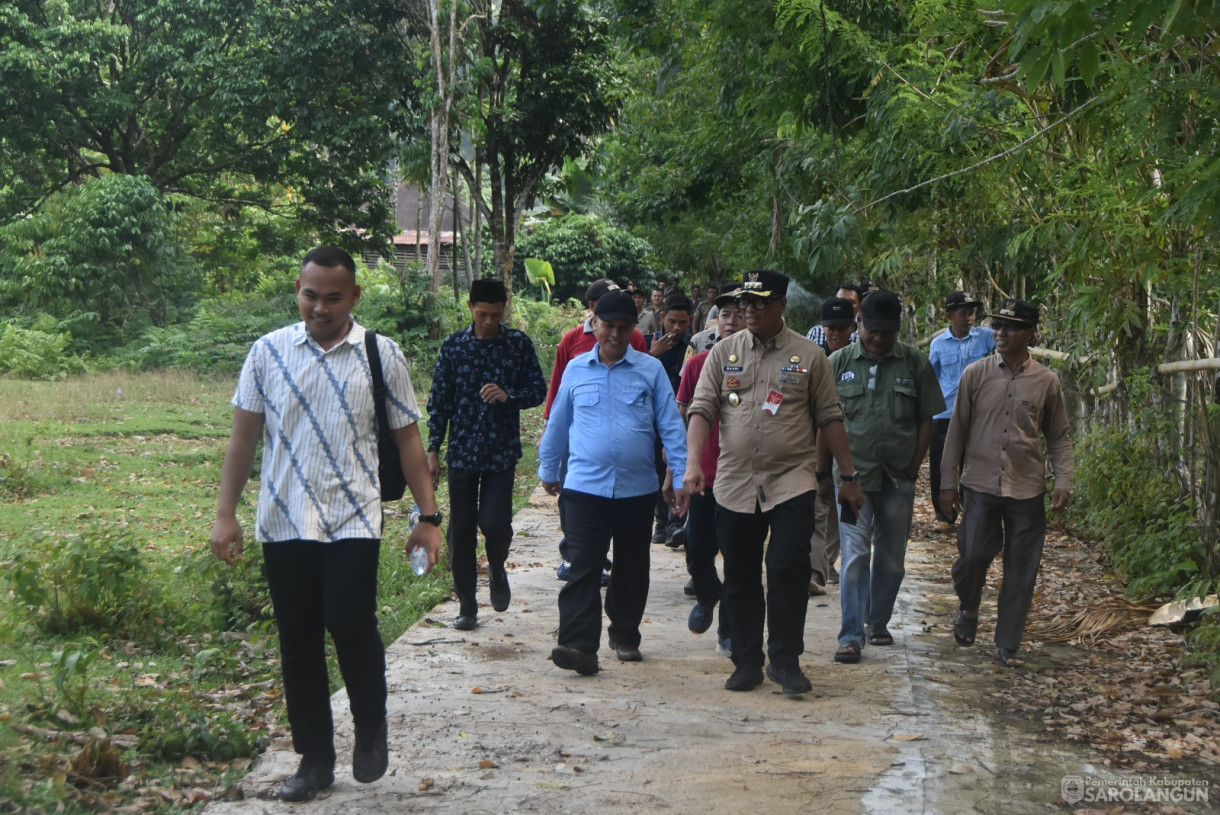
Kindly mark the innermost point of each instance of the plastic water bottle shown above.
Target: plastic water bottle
(419, 560)
(413, 519)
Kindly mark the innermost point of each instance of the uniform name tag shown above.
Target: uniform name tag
(733, 369)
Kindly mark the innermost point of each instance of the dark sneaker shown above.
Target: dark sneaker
(834, 576)
(309, 780)
(700, 619)
(572, 660)
(372, 754)
(746, 677)
(790, 680)
(564, 572)
(501, 593)
(466, 622)
(658, 532)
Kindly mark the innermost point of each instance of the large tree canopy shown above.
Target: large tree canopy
(202, 96)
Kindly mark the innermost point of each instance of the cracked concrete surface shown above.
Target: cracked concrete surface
(482, 722)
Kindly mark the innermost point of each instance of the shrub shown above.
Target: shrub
(32, 354)
(1126, 498)
(96, 581)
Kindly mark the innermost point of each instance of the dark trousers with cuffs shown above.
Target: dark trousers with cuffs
(316, 588)
(991, 523)
(940, 431)
(478, 501)
(593, 523)
(742, 538)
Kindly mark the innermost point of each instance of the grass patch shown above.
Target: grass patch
(116, 616)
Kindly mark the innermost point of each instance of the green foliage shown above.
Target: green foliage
(581, 249)
(172, 732)
(33, 354)
(94, 581)
(70, 669)
(1126, 498)
(236, 101)
(540, 273)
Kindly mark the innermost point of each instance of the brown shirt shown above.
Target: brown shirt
(999, 420)
(784, 390)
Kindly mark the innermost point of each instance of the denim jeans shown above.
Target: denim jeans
(874, 552)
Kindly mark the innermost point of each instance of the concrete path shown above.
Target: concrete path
(482, 722)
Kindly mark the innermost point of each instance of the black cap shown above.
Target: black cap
(1016, 312)
(487, 290)
(599, 287)
(881, 311)
(764, 283)
(729, 292)
(838, 311)
(959, 299)
(616, 305)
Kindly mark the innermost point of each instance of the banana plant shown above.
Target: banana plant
(539, 273)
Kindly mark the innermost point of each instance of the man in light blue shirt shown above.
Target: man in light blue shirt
(950, 353)
(612, 405)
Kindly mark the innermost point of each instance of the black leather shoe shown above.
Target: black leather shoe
(501, 594)
(791, 680)
(372, 754)
(675, 536)
(572, 660)
(746, 677)
(700, 619)
(626, 653)
(309, 780)
(466, 622)
(658, 532)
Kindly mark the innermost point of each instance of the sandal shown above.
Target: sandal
(965, 629)
(881, 637)
(1008, 658)
(848, 653)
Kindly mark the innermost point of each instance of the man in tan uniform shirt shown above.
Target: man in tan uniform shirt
(1006, 404)
(770, 390)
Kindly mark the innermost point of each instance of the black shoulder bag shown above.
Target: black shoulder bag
(389, 465)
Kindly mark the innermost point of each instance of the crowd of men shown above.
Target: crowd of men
(703, 422)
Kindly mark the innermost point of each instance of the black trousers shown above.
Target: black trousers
(940, 430)
(742, 537)
(315, 588)
(478, 501)
(991, 523)
(592, 524)
(702, 546)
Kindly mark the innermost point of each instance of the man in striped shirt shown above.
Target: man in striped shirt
(307, 392)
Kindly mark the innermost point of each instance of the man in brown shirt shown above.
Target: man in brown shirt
(770, 390)
(1006, 405)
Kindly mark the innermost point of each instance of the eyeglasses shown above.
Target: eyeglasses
(757, 303)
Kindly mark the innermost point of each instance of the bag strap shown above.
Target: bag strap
(379, 389)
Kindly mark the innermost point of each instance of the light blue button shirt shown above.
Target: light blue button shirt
(605, 421)
(950, 355)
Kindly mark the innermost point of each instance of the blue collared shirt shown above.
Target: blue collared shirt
(605, 421)
(483, 436)
(950, 355)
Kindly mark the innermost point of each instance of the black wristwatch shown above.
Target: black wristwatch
(822, 474)
(848, 476)
(435, 520)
